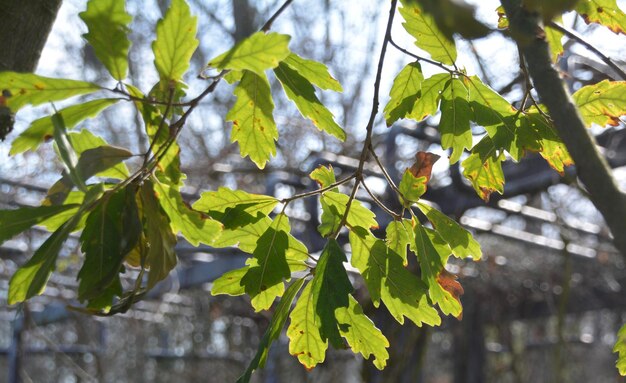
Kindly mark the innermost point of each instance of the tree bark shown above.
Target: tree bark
(24, 29)
(591, 167)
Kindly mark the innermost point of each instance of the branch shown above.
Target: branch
(574, 36)
(591, 167)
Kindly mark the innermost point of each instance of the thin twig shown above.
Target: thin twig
(420, 58)
(379, 203)
(574, 36)
(268, 24)
(160, 128)
(370, 124)
(318, 191)
(384, 171)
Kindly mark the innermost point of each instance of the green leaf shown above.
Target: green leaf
(16, 221)
(386, 278)
(411, 188)
(358, 216)
(315, 72)
(28, 88)
(175, 41)
(483, 168)
(553, 149)
(256, 53)
(195, 227)
(602, 103)
(324, 176)
(455, 119)
(236, 203)
(554, 38)
(31, 278)
(67, 152)
(277, 255)
(160, 256)
(604, 12)
(404, 92)
(244, 237)
(305, 341)
(111, 232)
(427, 34)
(229, 283)
(461, 241)
(299, 90)
(428, 100)
(432, 253)
(361, 333)
(620, 348)
(273, 331)
(399, 234)
(253, 124)
(498, 117)
(107, 21)
(331, 290)
(42, 128)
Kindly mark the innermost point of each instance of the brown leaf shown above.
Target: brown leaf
(423, 165)
(449, 282)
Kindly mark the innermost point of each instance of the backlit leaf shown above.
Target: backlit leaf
(66, 152)
(399, 234)
(358, 216)
(107, 21)
(620, 348)
(455, 119)
(299, 90)
(111, 232)
(432, 253)
(324, 176)
(175, 41)
(553, 149)
(602, 103)
(386, 278)
(195, 227)
(427, 34)
(253, 124)
(460, 240)
(316, 72)
(605, 12)
(42, 128)
(361, 333)
(273, 331)
(305, 341)
(16, 221)
(404, 92)
(238, 205)
(256, 53)
(483, 168)
(28, 88)
(427, 102)
(554, 39)
(411, 188)
(160, 255)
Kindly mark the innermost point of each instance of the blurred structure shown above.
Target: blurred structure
(544, 305)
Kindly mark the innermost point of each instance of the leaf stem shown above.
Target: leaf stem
(379, 203)
(318, 191)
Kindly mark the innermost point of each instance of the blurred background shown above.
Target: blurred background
(544, 304)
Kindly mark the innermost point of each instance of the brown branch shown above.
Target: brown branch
(591, 167)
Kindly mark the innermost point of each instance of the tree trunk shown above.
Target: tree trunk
(591, 167)
(24, 29)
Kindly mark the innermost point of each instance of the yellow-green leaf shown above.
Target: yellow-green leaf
(253, 124)
(316, 72)
(305, 341)
(256, 53)
(399, 234)
(404, 92)
(427, 34)
(299, 90)
(602, 103)
(484, 169)
(175, 41)
(553, 149)
(427, 102)
(42, 128)
(455, 119)
(361, 333)
(620, 348)
(605, 12)
(28, 88)
(107, 21)
(554, 39)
